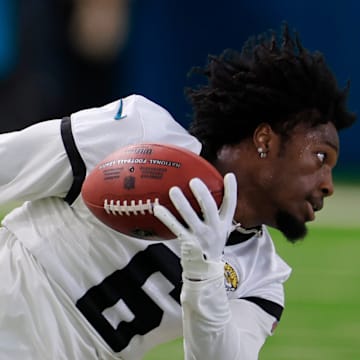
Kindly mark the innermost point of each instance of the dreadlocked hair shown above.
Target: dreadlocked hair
(265, 82)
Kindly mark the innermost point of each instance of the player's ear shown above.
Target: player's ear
(263, 138)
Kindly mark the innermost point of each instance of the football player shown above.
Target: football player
(72, 288)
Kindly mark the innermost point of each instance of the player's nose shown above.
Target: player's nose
(327, 184)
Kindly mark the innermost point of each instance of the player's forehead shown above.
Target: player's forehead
(323, 134)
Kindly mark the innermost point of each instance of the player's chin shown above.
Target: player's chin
(290, 226)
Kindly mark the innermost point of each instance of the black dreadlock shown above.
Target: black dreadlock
(266, 82)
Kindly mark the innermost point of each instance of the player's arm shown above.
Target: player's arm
(33, 163)
(213, 327)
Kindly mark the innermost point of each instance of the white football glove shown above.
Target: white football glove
(204, 240)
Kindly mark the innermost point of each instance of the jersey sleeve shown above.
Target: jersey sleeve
(217, 328)
(43, 160)
(34, 163)
(100, 131)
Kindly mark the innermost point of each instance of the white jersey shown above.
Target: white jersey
(120, 295)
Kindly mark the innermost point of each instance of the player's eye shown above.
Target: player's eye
(321, 156)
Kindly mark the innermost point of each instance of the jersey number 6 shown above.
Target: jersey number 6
(126, 285)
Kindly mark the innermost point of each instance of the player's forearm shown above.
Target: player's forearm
(214, 330)
(206, 321)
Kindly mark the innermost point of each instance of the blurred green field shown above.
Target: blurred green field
(322, 316)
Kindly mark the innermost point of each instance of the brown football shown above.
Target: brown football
(123, 188)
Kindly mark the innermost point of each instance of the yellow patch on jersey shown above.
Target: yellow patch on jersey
(231, 277)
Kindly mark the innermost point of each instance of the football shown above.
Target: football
(123, 188)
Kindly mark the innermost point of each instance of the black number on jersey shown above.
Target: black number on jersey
(126, 285)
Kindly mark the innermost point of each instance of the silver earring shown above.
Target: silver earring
(261, 152)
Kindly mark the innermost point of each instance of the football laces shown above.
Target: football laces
(130, 208)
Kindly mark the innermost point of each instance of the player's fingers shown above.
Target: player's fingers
(184, 208)
(205, 199)
(169, 220)
(228, 204)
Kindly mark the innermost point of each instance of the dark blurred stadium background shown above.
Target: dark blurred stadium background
(60, 56)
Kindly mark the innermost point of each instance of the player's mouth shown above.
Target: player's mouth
(310, 212)
(312, 207)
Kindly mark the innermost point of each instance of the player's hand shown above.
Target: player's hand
(204, 240)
